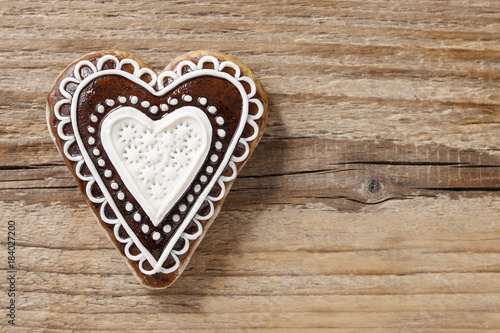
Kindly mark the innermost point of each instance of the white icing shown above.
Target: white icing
(218, 145)
(157, 160)
(100, 109)
(78, 170)
(108, 173)
(182, 208)
(190, 198)
(91, 141)
(221, 133)
(96, 152)
(176, 218)
(153, 109)
(144, 228)
(145, 104)
(201, 63)
(114, 185)
(214, 158)
(120, 196)
(187, 98)
(137, 217)
(94, 119)
(203, 101)
(232, 65)
(91, 129)
(212, 109)
(164, 107)
(210, 169)
(175, 78)
(122, 99)
(156, 235)
(86, 63)
(203, 179)
(173, 101)
(219, 120)
(109, 102)
(134, 99)
(102, 163)
(167, 229)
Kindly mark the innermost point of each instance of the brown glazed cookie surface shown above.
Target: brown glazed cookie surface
(155, 154)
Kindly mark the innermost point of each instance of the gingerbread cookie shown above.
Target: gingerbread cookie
(155, 154)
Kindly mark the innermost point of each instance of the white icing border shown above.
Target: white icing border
(195, 70)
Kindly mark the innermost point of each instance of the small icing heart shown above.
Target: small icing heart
(156, 153)
(157, 160)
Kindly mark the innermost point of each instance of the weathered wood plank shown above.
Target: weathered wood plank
(371, 205)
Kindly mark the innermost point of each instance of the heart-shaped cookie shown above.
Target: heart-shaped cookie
(155, 154)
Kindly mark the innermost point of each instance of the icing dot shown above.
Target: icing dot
(173, 101)
(94, 119)
(197, 188)
(137, 217)
(176, 218)
(110, 102)
(212, 109)
(182, 208)
(108, 173)
(210, 169)
(218, 145)
(144, 228)
(164, 107)
(187, 98)
(91, 129)
(214, 158)
(153, 109)
(203, 101)
(167, 229)
(134, 99)
(120, 196)
(114, 185)
(219, 120)
(129, 206)
(96, 152)
(145, 104)
(103, 164)
(221, 133)
(122, 99)
(190, 198)
(203, 179)
(100, 109)
(156, 235)
(91, 141)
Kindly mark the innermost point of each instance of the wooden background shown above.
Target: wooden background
(371, 205)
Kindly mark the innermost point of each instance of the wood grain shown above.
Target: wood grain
(372, 203)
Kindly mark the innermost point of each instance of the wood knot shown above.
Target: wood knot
(374, 186)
